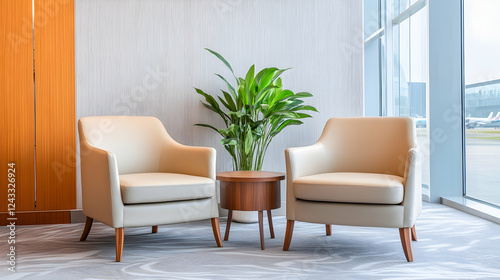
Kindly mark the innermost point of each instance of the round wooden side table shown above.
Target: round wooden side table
(250, 191)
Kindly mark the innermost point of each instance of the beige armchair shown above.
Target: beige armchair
(361, 172)
(134, 174)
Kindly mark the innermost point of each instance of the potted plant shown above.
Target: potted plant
(254, 111)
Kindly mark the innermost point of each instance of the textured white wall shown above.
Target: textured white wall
(143, 57)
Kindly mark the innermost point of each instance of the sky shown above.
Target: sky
(482, 43)
(482, 40)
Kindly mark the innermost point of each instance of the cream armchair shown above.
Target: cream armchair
(361, 172)
(134, 174)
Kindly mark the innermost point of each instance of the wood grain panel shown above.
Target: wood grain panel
(38, 218)
(17, 139)
(250, 196)
(55, 104)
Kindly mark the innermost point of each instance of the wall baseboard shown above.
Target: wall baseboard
(37, 217)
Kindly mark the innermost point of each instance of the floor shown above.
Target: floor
(452, 245)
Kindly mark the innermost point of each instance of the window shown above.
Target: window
(482, 100)
(396, 66)
(374, 58)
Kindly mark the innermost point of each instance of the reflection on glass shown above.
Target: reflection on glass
(410, 71)
(400, 6)
(418, 86)
(482, 99)
(404, 68)
(372, 20)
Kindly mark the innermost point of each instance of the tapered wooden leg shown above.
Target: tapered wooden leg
(413, 233)
(328, 230)
(405, 234)
(216, 230)
(155, 229)
(86, 230)
(119, 234)
(270, 220)
(228, 224)
(261, 229)
(288, 234)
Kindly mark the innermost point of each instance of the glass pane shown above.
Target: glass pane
(418, 86)
(401, 100)
(410, 68)
(482, 99)
(371, 17)
(400, 6)
(383, 75)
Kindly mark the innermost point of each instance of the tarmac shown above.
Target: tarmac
(482, 163)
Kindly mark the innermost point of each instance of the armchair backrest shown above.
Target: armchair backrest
(369, 144)
(136, 142)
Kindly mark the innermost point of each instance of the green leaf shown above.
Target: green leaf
(224, 103)
(285, 124)
(267, 76)
(278, 73)
(209, 99)
(230, 101)
(239, 113)
(248, 140)
(305, 108)
(242, 92)
(222, 59)
(231, 88)
(279, 83)
(231, 130)
(207, 125)
(229, 141)
(283, 95)
(259, 75)
(303, 115)
(301, 95)
(265, 92)
(249, 77)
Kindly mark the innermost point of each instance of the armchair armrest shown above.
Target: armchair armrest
(300, 162)
(101, 193)
(196, 161)
(412, 200)
(304, 161)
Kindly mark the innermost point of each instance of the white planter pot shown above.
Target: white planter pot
(247, 217)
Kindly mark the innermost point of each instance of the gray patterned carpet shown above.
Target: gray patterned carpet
(452, 245)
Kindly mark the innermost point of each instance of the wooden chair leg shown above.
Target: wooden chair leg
(86, 230)
(328, 230)
(288, 234)
(119, 236)
(405, 235)
(155, 229)
(216, 230)
(228, 224)
(270, 220)
(413, 233)
(261, 230)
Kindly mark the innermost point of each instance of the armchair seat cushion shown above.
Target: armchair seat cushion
(350, 187)
(163, 187)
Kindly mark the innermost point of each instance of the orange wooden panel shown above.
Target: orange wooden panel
(17, 131)
(55, 104)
